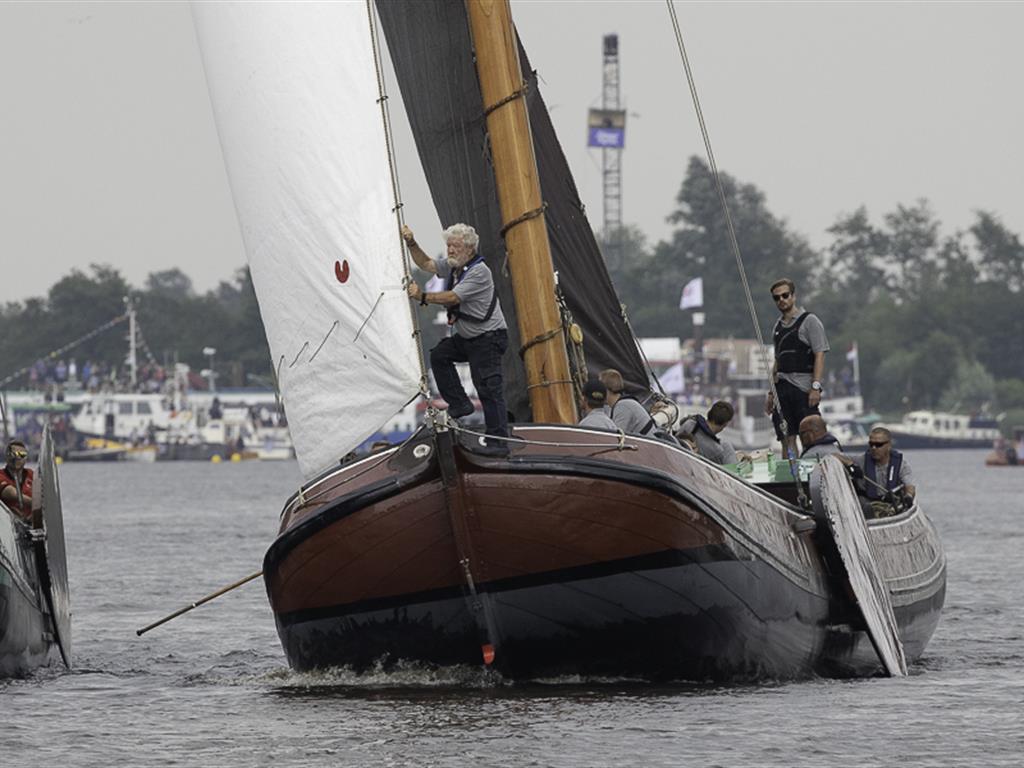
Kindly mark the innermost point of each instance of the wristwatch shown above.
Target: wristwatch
(816, 386)
(423, 299)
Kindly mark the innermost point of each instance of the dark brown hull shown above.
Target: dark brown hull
(572, 557)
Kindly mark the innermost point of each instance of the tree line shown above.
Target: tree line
(175, 323)
(938, 318)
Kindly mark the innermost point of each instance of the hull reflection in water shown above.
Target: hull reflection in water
(578, 559)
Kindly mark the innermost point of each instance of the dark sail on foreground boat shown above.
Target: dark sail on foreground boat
(581, 552)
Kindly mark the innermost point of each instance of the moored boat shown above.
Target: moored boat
(938, 429)
(581, 551)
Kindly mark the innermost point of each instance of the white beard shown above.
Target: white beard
(453, 263)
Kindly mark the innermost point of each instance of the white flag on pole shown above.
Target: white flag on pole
(673, 381)
(693, 294)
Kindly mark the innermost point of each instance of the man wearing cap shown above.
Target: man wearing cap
(595, 397)
(16, 480)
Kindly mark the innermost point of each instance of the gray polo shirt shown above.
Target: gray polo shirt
(598, 419)
(812, 333)
(474, 290)
(632, 418)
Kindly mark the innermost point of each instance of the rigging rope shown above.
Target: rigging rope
(395, 187)
(733, 242)
(60, 350)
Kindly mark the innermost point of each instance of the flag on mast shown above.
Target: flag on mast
(853, 358)
(693, 294)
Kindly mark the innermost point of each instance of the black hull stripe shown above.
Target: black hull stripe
(665, 559)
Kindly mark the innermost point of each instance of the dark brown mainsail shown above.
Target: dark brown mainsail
(446, 112)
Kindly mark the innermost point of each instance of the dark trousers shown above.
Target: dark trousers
(483, 353)
(794, 407)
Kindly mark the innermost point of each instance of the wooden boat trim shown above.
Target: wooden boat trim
(629, 439)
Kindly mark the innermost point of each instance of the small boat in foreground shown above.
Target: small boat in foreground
(35, 608)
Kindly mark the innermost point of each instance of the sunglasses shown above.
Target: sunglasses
(781, 296)
(18, 453)
(877, 445)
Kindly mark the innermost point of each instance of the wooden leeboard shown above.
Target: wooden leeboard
(850, 531)
(51, 557)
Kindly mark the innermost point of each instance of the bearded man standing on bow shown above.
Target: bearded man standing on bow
(479, 334)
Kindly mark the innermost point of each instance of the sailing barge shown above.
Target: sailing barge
(581, 552)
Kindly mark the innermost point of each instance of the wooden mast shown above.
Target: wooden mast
(529, 253)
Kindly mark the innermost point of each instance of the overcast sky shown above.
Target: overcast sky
(108, 151)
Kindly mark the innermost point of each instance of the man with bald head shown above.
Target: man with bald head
(815, 438)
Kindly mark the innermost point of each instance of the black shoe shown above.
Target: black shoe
(492, 448)
(457, 411)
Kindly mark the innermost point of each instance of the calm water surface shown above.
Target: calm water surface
(212, 688)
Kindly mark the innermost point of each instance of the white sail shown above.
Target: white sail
(294, 94)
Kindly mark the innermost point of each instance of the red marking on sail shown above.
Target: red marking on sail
(488, 650)
(341, 270)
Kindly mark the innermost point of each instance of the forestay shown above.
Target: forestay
(294, 94)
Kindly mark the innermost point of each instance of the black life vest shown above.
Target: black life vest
(454, 278)
(702, 424)
(791, 354)
(828, 439)
(892, 479)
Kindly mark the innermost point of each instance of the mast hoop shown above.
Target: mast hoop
(549, 383)
(521, 93)
(522, 218)
(547, 336)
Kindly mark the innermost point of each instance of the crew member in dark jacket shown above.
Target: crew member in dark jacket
(479, 334)
(885, 480)
(800, 347)
(705, 432)
(816, 440)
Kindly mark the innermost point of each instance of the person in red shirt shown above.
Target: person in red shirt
(16, 480)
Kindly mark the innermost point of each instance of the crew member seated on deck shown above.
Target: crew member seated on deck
(479, 335)
(705, 432)
(883, 477)
(16, 480)
(816, 440)
(595, 397)
(626, 411)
